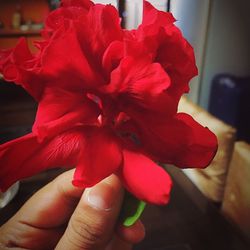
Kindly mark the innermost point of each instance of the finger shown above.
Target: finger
(43, 216)
(92, 224)
(118, 243)
(53, 205)
(24, 236)
(133, 234)
(127, 236)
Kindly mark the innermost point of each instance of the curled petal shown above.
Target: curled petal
(140, 87)
(145, 179)
(152, 16)
(101, 157)
(71, 10)
(165, 41)
(179, 140)
(202, 145)
(138, 83)
(25, 156)
(10, 72)
(139, 78)
(181, 68)
(17, 65)
(112, 56)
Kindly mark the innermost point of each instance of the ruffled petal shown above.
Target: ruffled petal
(138, 83)
(165, 41)
(18, 65)
(139, 78)
(72, 44)
(101, 157)
(104, 27)
(25, 156)
(70, 10)
(71, 70)
(179, 140)
(101, 28)
(181, 68)
(60, 110)
(152, 16)
(16, 57)
(145, 179)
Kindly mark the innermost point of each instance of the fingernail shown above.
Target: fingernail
(102, 196)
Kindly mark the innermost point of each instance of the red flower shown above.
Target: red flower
(107, 101)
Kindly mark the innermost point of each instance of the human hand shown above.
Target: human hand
(62, 216)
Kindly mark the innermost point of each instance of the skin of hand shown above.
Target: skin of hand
(60, 216)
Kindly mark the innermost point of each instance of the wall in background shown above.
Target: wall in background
(192, 18)
(219, 32)
(228, 43)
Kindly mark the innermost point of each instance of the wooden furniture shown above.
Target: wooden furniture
(236, 202)
(211, 180)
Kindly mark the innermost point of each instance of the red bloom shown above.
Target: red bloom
(107, 101)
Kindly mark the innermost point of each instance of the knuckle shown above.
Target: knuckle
(84, 235)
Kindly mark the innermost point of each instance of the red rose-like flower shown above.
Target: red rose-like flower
(107, 101)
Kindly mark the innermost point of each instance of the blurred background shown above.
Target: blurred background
(219, 31)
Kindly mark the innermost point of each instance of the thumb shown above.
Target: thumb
(91, 226)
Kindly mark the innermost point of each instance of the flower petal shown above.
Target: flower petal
(103, 25)
(139, 78)
(145, 179)
(25, 157)
(151, 15)
(112, 56)
(71, 70)
(202, 145)
(101, 157)
(181, 68)
(70, 10)
(17, 65)
(101, 28)
(60, 110)
(171, 49)
(179, 140)
(138, 83)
